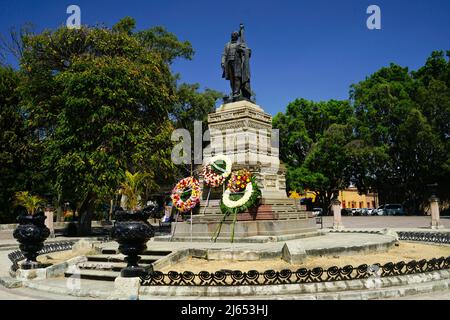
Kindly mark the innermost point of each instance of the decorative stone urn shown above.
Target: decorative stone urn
(132, 231)
(31, 234)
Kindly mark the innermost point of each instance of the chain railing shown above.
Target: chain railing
(17, 255)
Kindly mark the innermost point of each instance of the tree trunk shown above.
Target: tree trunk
(59, 210)
(327, 202)
(86, 212)
(59, 214)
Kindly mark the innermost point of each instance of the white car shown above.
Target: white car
(380, 211)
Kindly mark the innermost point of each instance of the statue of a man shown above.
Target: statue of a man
(236, 66)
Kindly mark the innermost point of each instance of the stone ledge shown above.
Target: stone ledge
(52, 271)
(341, 288)
(10, 282)
(67, 291)
(253, 239)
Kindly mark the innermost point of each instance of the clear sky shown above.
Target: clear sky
(313, 49)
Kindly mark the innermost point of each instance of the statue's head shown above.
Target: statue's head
(234, 36)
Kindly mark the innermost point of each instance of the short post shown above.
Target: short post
(337, 218)
(126, 289)
(435, 216)
(434, 208)
(49, 221)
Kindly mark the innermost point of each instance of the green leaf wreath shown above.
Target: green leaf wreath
(240, 184)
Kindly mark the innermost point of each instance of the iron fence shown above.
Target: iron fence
(303, 275)
(17, 255)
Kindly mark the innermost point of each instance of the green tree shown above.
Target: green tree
(304, 123)
(193, 105)
(101, 100)
(432, 94)
(313, 139)
(401, 121)
(326, 168)
(14, 143)
(166, 44)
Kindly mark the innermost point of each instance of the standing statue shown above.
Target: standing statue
(236, 65)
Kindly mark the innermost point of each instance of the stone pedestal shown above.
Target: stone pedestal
(243, 131)
(435, 216)
(259, 230)
(337, 218)
(126, 289)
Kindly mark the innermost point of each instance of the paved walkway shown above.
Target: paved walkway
(7, 244)
(422, 222)
(31, 294)
(329, 241)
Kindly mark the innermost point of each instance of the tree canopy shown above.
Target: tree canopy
(392, 136)
(92, 104)
(313, 137)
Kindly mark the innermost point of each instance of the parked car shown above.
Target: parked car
(391, 210)
(364, 211)
(380, 211)
(370, 211)
(346, 212)
(317, 212)
(394, 210)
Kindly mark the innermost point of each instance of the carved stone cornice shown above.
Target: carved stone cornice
(239, 113)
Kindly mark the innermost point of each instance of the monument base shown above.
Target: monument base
(271, 221)
(243, 131)
(244, 231)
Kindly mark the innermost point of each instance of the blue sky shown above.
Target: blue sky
(314, 49)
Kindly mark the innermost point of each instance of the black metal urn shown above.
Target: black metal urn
(31, 234)
(132, 231)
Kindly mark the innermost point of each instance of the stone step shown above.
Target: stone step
(274, 204)
(248, 217)
(93, 275)
(161, 253)
(105, 266)
(272, 207)
(279, 210)
(264, 201)
(121, 258)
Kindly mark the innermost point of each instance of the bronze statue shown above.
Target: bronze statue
(236, 66)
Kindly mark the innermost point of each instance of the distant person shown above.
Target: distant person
(167, 212)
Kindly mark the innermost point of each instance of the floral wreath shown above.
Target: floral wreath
(242, 193)
(216, 170)
(186, 194)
